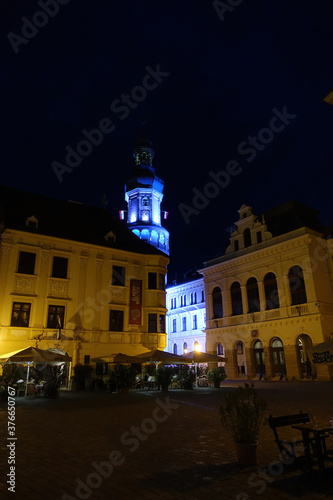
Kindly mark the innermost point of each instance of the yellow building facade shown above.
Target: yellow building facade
(270, 297)
(77, 279)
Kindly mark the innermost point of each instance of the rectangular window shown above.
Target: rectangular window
(55, 317)
(259, 237)
(20, 314)
(118, 275)
(152, 281)
(152, 323)
(26, 263)
(87, 359)
(116, 323)
(184, 323)
(161, 283)
(59, 269)
(162, 323)
(195, 322)
(236, 245)
(174, 326)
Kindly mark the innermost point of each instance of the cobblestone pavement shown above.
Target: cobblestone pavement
(145, 446)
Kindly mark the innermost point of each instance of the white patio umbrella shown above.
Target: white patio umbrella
(196, 357)
(322, 354)
(32, 355)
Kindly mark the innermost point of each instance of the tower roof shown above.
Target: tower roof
(67, 219)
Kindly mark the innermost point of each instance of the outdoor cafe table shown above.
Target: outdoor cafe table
(318, 431)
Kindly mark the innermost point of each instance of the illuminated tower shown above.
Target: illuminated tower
(144, 194)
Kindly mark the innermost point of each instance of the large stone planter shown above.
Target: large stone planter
(246, 453)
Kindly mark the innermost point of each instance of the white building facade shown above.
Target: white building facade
(186, 316)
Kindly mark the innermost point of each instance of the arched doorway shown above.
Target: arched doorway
(259, 357)
(303, 342)
(240, 358)
(278, 359)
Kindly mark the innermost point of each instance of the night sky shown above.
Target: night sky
(221, 77)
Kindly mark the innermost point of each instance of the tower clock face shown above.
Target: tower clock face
(145, 201)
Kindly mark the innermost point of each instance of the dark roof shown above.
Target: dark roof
(68, 220)
(280, 220)
(191, 275)
(291, 216)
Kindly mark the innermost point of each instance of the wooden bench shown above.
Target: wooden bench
(287, 447)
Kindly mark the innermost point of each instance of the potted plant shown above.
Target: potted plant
(216, 375)
(243, 417)
(186, 377)
(124, 377)
(164, 375)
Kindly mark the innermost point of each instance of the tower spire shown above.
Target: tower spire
(144, 194)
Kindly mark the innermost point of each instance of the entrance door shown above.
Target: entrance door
(279, 363)
(302, 343)
(259, 357)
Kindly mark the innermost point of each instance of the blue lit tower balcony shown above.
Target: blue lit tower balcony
(144, 194)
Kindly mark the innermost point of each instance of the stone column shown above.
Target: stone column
(231, 364)
(292, 362)
(270, 368)
(250, 362)
(244, 299)
(262, 298)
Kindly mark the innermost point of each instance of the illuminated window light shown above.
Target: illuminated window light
(133, 217)
(197, 347)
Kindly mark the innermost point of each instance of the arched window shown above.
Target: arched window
(175, 348)
(253, 295)
(217, 303)
(236, 298)
(196, 346)
(184, 300)
(185, 347)
(271, 291)
(240, 347)
(278, 355)
(297, 285)
(247, 238)
(195, 297)
(154, 237)
(219, 349)
(174, 303)
(145, 235)
(171, 307)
